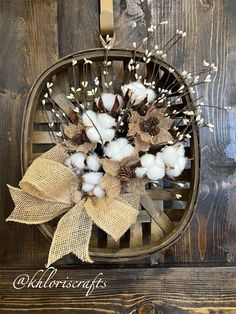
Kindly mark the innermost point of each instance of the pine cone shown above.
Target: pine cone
(78, 139)
(150, 125)
(125, 173)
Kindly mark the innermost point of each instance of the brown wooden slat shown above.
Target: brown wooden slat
(136, 235)
(162, 194)
(111, 243)
(43, 117)
(61, 100)
(43, 137)
(175, 214)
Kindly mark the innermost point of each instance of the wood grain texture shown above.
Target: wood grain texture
(172, 290)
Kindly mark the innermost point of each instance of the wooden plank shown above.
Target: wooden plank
(61, 100)
(136, 235)
(169, 194)
(46, 137)
(26, 52)
(186, 290)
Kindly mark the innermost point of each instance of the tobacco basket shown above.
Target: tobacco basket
(171, 215)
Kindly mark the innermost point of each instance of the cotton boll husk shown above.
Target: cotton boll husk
(106, 121)
(156, 173)
(92, 177)
(93, 135)
(93, 162)
(147, 160)
(77, 160)
(89, 114)
(87, 187)
(140, 172)
(98, 191)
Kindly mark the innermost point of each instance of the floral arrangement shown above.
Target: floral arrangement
(111, 146)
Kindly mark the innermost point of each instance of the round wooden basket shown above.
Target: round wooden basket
(151, 232)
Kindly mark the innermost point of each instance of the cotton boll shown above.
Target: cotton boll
(140, 172)
(108, 135)
(88, 116)
(158, 160)
(147, 160)
(178, 167)
(98, 191)
(128, 150)
(93, 162)
(92, 177)
(182, 163)
(180, 150)
(93, 135)
(86, 187)
(137, 96)
(108, 100)
(68, 163)
(174, 171)
(119, 149)
(151, 95)
(77, 160)
(169, 155)
(106, 121)
(156, 173)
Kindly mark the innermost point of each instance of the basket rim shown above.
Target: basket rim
(124, 253)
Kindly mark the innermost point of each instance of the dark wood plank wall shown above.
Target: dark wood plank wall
(35, 33)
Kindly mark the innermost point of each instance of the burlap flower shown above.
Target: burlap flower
(153, 128)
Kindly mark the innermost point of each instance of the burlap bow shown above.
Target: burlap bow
(49, 189)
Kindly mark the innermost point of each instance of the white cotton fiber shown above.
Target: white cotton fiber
(88, 116)
(106, 121)
(173, 157)
(108, 100)
(92, 177)
(158, 160)
(169, 155)
(76, 161)
(93, 162)
(156, 173)
(86, 187)
(99, 191)
(138, 92)
(147, 160)
(180, 150)
(140, 172)
(151, 95)
(108, 134)
(137, 96)
(93, 135)
(119, 149)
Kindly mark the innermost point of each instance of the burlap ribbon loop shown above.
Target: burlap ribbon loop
(49, 189)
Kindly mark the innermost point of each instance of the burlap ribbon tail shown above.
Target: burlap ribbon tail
(49, 189)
